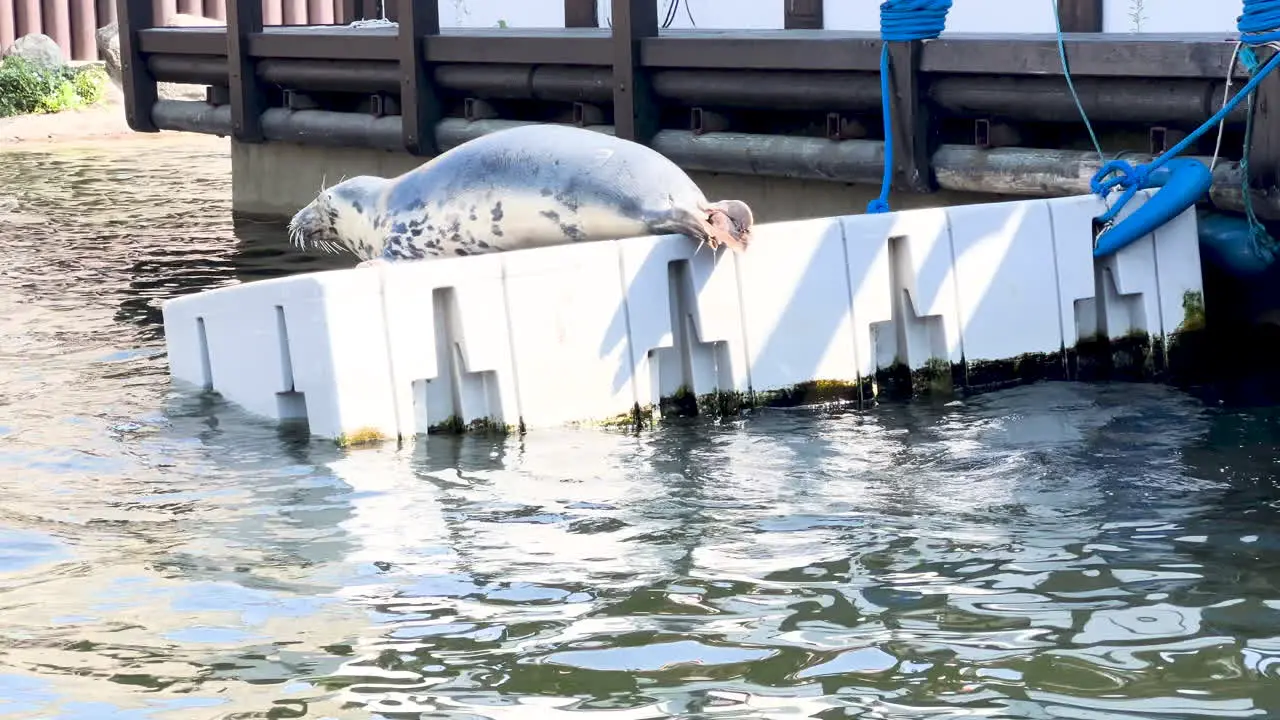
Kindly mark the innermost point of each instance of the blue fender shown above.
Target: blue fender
(1227, 241)
(1182, 182)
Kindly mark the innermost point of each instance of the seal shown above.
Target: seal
(523, 187)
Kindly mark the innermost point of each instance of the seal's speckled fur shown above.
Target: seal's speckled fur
(525, 187)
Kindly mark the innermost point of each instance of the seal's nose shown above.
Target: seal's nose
(302, 227)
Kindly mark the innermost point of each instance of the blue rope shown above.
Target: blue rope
(901, 21)
(1259, 24)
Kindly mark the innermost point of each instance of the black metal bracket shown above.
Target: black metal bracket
(217, 95)
(842, 127)
(585, 114)
(1163, 138)
(988, 134)
(912, 129)
(477, 109)
(140, 93)
(248, 101)
(294, 100)
(420, 108)
(702, 121)
(635, 107)
(383, 105)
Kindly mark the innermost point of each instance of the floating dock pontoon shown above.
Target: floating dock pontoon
(814, 311)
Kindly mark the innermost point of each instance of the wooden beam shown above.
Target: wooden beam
(140, 92)
(1264, 148)
(635, 108)
(419, 103)
(244, 20)
(802, 14)
(1080, 16)
(581, 14)
(912, 129)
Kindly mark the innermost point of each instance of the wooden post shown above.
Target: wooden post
(581, 14)
(912, 127)
(802, 14)
(419, 105)
(244, 20)
(139, 86)
(635, 109)
(1264, 149)
(1080, 16)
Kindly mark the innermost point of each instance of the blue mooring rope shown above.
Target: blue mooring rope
(1259, 24)
(901, 21)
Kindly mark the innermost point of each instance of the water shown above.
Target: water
(1057, 551)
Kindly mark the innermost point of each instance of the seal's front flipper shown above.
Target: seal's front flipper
(721, 232)
(715, 224)
(729, 223)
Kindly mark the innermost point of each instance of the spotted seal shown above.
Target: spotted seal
(524, 187)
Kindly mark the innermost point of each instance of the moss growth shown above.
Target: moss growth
(26, 88)
(1189, 353)
(1135, 356)
(361, 437)
(1193, 317)
(637, 419)
(454, 425)
(814, 392)
(684, 403)
(986, 375)
(936, 377)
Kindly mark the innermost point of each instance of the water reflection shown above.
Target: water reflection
(1069, 551)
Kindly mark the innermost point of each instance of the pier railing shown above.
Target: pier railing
(391, 86)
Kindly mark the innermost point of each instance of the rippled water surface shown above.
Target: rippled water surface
(1056, 551)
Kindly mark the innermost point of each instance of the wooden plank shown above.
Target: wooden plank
(635, 108)
(1180, 55)
(1080, 16)
(763, 50)
(419, 104)
(139, 86)
(802, 14)
(244, 20)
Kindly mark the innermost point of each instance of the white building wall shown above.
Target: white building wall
(967, 16)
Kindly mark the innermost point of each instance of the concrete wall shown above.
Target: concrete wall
(275, 180)
(968, 16)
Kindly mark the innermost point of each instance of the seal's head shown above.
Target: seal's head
(729, 223)
(343, 217)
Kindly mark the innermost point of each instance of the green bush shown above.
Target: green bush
(26, 88)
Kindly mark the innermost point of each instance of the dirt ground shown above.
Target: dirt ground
(102, 122)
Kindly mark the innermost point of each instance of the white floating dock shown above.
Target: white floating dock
(589, 332)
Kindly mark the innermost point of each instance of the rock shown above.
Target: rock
(38, 50)
(108, 39)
